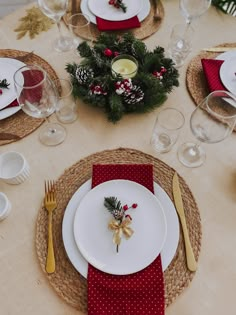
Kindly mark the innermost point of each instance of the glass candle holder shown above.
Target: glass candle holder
(125, 66)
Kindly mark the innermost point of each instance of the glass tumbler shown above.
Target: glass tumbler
(166, 129)
(66, 109)
(180, 43)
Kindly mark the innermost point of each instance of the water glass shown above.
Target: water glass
(166, 129)
(180, 44)
(79, 26)
(66, 110)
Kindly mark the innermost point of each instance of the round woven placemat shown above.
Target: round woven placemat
(67, 282)
(21, 124)
(195, 78)
(148, 26)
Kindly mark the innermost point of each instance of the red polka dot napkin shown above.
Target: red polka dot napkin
(105, 25)
(141, 293)
(211, 69)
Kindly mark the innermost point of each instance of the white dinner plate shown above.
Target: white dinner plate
(6, 72)
(228, 74)
(104, 10)
(5, 113)
(141, 15)
(78, 261)
(226, 55)
(94, 239)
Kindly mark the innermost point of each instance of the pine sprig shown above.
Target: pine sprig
(112, 203)
(4, 84)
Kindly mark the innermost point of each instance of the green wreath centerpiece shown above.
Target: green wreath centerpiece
(94, 82)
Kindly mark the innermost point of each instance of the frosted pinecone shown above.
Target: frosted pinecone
(118, 214)
(83, 75)
(134, 96)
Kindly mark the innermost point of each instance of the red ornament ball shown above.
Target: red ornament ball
(134, 205)
(125, 207)
(108, 52)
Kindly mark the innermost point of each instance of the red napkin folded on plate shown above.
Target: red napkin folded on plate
(12, 104)
(105, 25)
(140, 293)
(211, 69)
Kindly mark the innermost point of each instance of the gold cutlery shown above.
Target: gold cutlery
(156, 16)
(191, 262)
(50, 204)
(219, 49)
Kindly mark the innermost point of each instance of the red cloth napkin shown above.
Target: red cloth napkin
(140, 293)
(211, 69)
(12, 104)
(105, 25)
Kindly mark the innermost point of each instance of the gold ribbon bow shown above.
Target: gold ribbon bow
(119, 229)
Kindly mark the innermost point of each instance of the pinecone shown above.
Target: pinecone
(118, 214)
(83, 75)
(134, 96)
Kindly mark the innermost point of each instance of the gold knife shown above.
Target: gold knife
(191, 262)
(219, 49)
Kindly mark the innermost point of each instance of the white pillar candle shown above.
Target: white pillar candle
(124, 66)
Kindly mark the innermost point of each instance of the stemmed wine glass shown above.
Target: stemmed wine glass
(37, 96)
(212, 121)
(192, 9)
(55, 9)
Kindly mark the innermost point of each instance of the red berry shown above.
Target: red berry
(125, 207)
(0, 91)
(107, 52)
(134, 205)
(116, 53)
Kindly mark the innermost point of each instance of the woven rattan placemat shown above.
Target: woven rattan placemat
(21, 124)
(67, 282)
(195, 79)
(148, 26)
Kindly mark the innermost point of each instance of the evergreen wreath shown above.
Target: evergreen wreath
(93, 82)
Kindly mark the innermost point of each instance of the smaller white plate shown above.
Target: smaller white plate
(94, 239)
(141, 15)
(104, 10)
(228, 74)
(7, 112)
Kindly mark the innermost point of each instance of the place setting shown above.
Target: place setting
(127, 206)
(16, 124)
(211, 70)
(141, 17)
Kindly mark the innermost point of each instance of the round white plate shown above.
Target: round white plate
(228, 74)
(141, 15)
(226, 55)
(108, 12)
(5, 113)
(94, 239)
(78, 261)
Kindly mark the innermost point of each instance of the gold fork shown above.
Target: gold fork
(50, 204)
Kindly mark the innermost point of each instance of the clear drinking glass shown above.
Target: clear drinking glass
(38, 98)
(212, 121)
(192, 9)
(166, 129)
(66, 110)
(55, 9)
(180, 44)
(79, 24)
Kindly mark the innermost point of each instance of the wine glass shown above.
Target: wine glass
(212, 121)
(55, 9)
(192, 9)
(37, 96)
